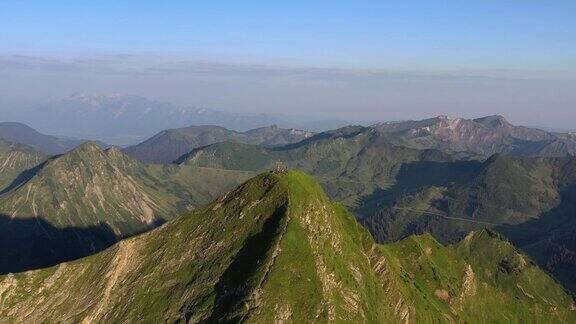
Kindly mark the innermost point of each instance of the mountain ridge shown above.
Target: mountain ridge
(293, 256)
(122, 119)
(478, 138)
(103, 194)
(169, 145)
(14, 159)
(47, 144)
(397, 191)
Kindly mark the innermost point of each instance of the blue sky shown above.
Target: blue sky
(355, 60)
(485, 34)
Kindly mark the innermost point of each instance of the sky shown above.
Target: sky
(347, 59)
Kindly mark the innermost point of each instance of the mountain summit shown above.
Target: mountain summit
(478, 138)
(277, 250)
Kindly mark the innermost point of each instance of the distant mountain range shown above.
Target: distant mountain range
(126, 120)
(276, 249)
(479, 138)
(169, 145)
(47, 144)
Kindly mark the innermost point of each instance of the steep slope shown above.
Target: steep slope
(483, 277)
(478, 138)
(397, 191)
(15, 159)
(277, 250)
(530, 200)
(502, 190)
(169, 145)
(23, 134)
(87, 199)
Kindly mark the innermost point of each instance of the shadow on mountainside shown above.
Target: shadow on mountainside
(415, 175)
(32, 243)
(412, 177)
(345, 132)
(387, 223)
(23, 177)
(551, 239)
(247, 270)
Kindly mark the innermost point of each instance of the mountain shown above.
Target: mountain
(397, 191)
(277, 250)
(15, 159)
(479, 138)
(272, 136)
(81, 202)
(125, 120)
(47, 144)
(350, 162)
(529, 200)
(169, 145)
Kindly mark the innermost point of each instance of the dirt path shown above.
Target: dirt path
(448, 217)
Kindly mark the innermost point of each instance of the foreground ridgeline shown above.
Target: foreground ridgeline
(276, 249)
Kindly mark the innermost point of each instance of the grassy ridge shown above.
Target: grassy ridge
(167, 146)
(397, 191)
(276, 249)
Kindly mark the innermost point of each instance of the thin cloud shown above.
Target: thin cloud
(135, 64)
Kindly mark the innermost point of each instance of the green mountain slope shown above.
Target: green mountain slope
(397, 191)
(88, 198)
(350, 162)
(276, 249)
(169, 145)
(483, 277)
(531, 201)
(15, 159)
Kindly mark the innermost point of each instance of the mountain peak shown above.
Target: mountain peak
(90, 147)
(276, 249)
(93, 156)
(494, 121)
